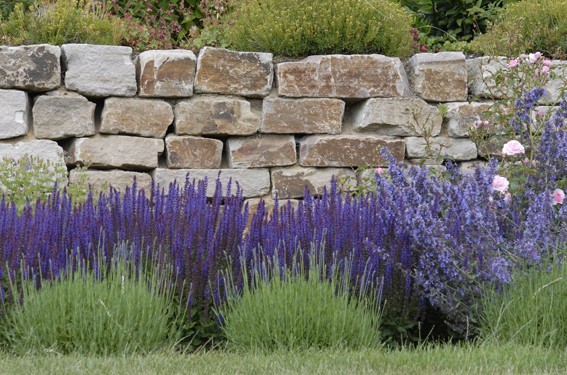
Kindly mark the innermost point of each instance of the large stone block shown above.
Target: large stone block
(13, 113)
(480, 71)
(396, 117)
(292, 182)
(460, 117)
(32, 68)
(193, 152)
(116, 151)
(439, 77)
(143, 117)
(347, 150)
(455, 148)
(343, 76)
(167, 74)
(308, 116)
(253, 182)
(99, 71)
(216, 115)
(60, 114)
(220, 71)
(102, 181)
(261, 151)
(556, 84)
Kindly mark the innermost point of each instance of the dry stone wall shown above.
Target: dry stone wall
(276, 128)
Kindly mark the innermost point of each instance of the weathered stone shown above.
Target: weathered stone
(116, 151)
(343, 76)
(455, 148)
(13, 113)
(61, 115)
(555, 85)
(220, 71)
(102, 181)
(439, 77)
(291, 182)
(480, 71)
(33, 68)
(347, 150)
(460, 117)
(470, 166)
(99, 71)
(193, 152)
(261, 151)
(308, 116)
(397, 117)
(215, 115)
(167, 74)
(143, 117)
(253, 182)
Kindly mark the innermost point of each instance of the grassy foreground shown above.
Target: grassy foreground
(448, 359)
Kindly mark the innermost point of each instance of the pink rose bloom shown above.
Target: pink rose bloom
(545, 70)
(507, 196)
(379, 170)
(513, 63)
(558, 196)
(547, 63)
(533, 57)
(500, 183)
(512, 148)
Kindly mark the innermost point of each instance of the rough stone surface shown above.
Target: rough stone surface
(167, 74)
(397, 117)
(216, 115)
(101, 181)
(116, 151)
(99, 71)
(470, 166)
(143, 117)
(253, 182)
(346, 150)
(193, 152)
(261, 151)
(343, 76)
(461, 116)
(34, 68)
(291, 182)
(62, 114)
(220, 71)
(308, 116)
(456, 148)
(14, 112)
(439, 77)
(480, 71)
(555, 85)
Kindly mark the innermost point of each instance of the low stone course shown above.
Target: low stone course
(193, 152)
(142, 117)
(13, 113)
(261, 151)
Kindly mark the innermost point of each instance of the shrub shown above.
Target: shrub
(527, 26)
(304, 27)
(110, 308)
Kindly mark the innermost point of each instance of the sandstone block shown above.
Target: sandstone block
(220, 71)
(439, 77)
(13, 113)
(261, 151)
(343, 76)
(461, 116)
(309, 116)
(116, 151)
(254, 182)
(456, 148)
(167, 74)
(346, 150)
(216, 115)
(292, 182)
(480, 71)
(397, 117)
(143, 117)
(101, 181)
(34, 68)
(99, 71)
(193, 152)
(61, 115)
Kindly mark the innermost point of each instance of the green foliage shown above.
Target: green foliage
(528, 25)
(298, 309)
(7, 6)
(306, 27)
(114, 308)
(63, 21)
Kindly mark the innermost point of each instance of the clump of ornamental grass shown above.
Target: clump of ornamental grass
(111, 307)
(298, 308)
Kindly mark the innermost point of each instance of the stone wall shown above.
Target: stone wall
(274, 128)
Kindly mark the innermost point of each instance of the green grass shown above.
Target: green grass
(449, 359)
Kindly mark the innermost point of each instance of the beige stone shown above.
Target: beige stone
(142, 117)
(292, 182)
(261, 151)
(60, 115)
(34, 68)
(167, 74)
(102, 181)
(14, 113)
(454, 148)
(460, 117)
(480, 71)
(193, 152)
